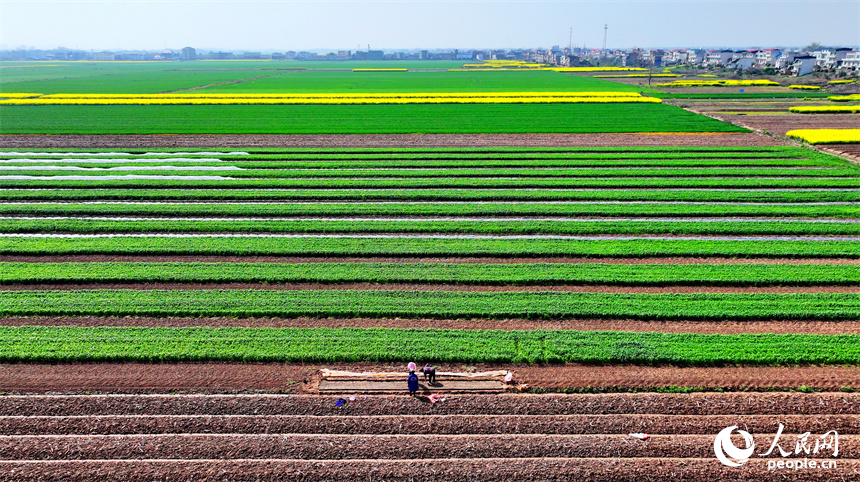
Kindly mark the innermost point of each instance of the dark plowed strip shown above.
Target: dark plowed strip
(387, 140)
(705, 327)
(422, 424)
(377, 259)
(337, 447)
(276, 377)
(436, 469)
(437, 287)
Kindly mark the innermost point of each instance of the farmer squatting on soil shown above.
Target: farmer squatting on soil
(412, 380)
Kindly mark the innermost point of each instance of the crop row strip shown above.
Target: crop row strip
(173, 193)
(407, 173)
(106, 163)
(432, 209)
(452, 273)
(573, 227)
(78, 344)
(129, 181)
(425, 247)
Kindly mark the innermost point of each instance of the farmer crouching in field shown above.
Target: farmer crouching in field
(429, 374)
(412, 382)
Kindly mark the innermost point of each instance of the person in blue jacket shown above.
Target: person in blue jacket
(412, 382)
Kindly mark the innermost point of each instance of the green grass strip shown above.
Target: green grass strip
(354, 119)
(447, 273)
(430, 183)
(432, 209)
(92, 226)
(157, 345)
(430, 304)
(692, 195)
(418, 247)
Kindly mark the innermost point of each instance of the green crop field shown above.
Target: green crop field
(459, 209)
(161, 345)
(420, 226)
(453, 273)
(102, 192)
(743, 235)
(353, 119)
(414, 247)
(432, 304)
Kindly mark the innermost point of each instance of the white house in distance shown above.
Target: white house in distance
(803, 64)
(718, 57)
(767, 56)
(851, 61)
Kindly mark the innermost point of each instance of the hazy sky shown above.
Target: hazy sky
(347, 25)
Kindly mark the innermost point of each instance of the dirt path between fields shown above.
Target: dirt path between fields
(703, 327)
(432, 287)
(303, 378)
(388, 140)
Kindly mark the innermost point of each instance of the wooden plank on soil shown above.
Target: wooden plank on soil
(389, 386)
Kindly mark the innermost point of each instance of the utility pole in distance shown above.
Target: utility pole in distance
(570, 42)
(605, 29)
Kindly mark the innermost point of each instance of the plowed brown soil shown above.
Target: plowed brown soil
(386, 140)
(375, 446)
(510, 405)
(780, 124)
(298, 378)
(437, 469)
(420, 424)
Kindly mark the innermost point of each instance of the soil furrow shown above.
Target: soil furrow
(437, 469)
(336, 447)
(734, 404)
(422, 424)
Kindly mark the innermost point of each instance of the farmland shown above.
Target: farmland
(167, 301)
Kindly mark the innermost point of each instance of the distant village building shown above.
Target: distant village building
(221, 55)
(803, 65)
(188, 53)
(718, 57)
(104, 56)
(851, 61)
(767, 57)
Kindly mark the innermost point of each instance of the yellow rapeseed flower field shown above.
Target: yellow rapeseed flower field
(827, 109)
(826, 136)
(718, 83)
(844, 98)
